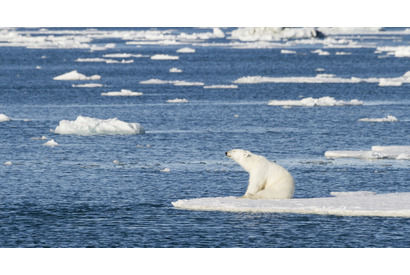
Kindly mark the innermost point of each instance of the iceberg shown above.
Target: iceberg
(87, 126)
(178, 100)
(74, 75)
(389, 118)
(377, 152)
(123, 92)
(310, 102)
(4, 118)
(361, 203)
(164, 57)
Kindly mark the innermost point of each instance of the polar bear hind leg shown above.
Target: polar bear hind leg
(283, 189)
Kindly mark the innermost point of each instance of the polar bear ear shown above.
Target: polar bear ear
(246, 154)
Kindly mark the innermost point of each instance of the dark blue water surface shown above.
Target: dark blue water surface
(74, 195)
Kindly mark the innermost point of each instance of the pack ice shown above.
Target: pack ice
(377, 152)
(74, 75)
(87, 126)
(310, 102)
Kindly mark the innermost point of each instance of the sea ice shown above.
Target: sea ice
(4, 118)
(175, 70)
(320, 52)
(377, 152)
(164, 57)
(74, 75)
(221, 87)
(178, 100)
(287, 52)
(51, 143)
(87, 126)
(123, 92)
(389, 118)
(272, 33)
(400, 51)
(174, 82)
(360, 203)
(310, 102)
(123, 55)
(87, 85)
(186, 50)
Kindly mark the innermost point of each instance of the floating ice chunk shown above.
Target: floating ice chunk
(4, 118)
(186, 50)
(175, 70)
(74, 75)
(177, 100)
(400, 51)
(96, 59)
(155, 81)
(123, 55)
(360, 204)
(320, 52)
(8, 163)
(123, 61)
(287, 52)
(166, 170)
(343, 53)
(39, 138)
(38, 67)
(389, 82)
(320, 78)
(187, 83)
(389, 118)
(88, 85)
(377, 152)
(221, 87)
(123, 92)
(87, 126)
(310, 102)
(51, 143)
(164, 57)
(320, 70)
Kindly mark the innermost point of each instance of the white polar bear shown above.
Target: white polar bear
(267, 180)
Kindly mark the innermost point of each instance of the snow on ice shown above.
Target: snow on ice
(362, 203)
(87, 126)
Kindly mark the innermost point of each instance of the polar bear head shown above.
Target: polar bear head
(241, 156)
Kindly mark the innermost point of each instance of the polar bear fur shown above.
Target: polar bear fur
(267, 180)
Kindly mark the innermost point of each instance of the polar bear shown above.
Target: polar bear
(267, 180)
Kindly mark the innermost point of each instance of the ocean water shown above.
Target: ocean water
(116, 190)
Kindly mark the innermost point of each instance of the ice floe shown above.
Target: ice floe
(389, 118)
(51, 143)
(310, 102)
(8, 163)
(186, 50)
(178, 100)
(87, 85)
(287, 52)
(221, 87)
(87, 126)
(74, 75)
(362, 203)
(323, 78)
(123, 55)
(123, 92)
(174, 82)
(164, 57)
(320, 52)
(399, 51)
(377, 152)
(39, 138)
(4, 118)
(175, 70)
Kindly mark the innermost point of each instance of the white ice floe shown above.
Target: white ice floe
(320, 52)
(74, 75)
(174, 82)
(166, 170)
(377, 152)
(39, 138)
(287, 52)
(164, 57)
(321, 78)
(389, 118)
(87, 126)
(310, 102)
(87, 85)
(360, 203)
(94, 59)
(178, 100)
(4, 118)
(123, 55)
(186, 50)
(51, 143)
(175, 70)
(400, 51)
(272, 33)
(123, 61)
(8, 163)
(221, 87)
(123, 92)
(343, 53)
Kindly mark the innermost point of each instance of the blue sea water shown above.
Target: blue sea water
(74, 195)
